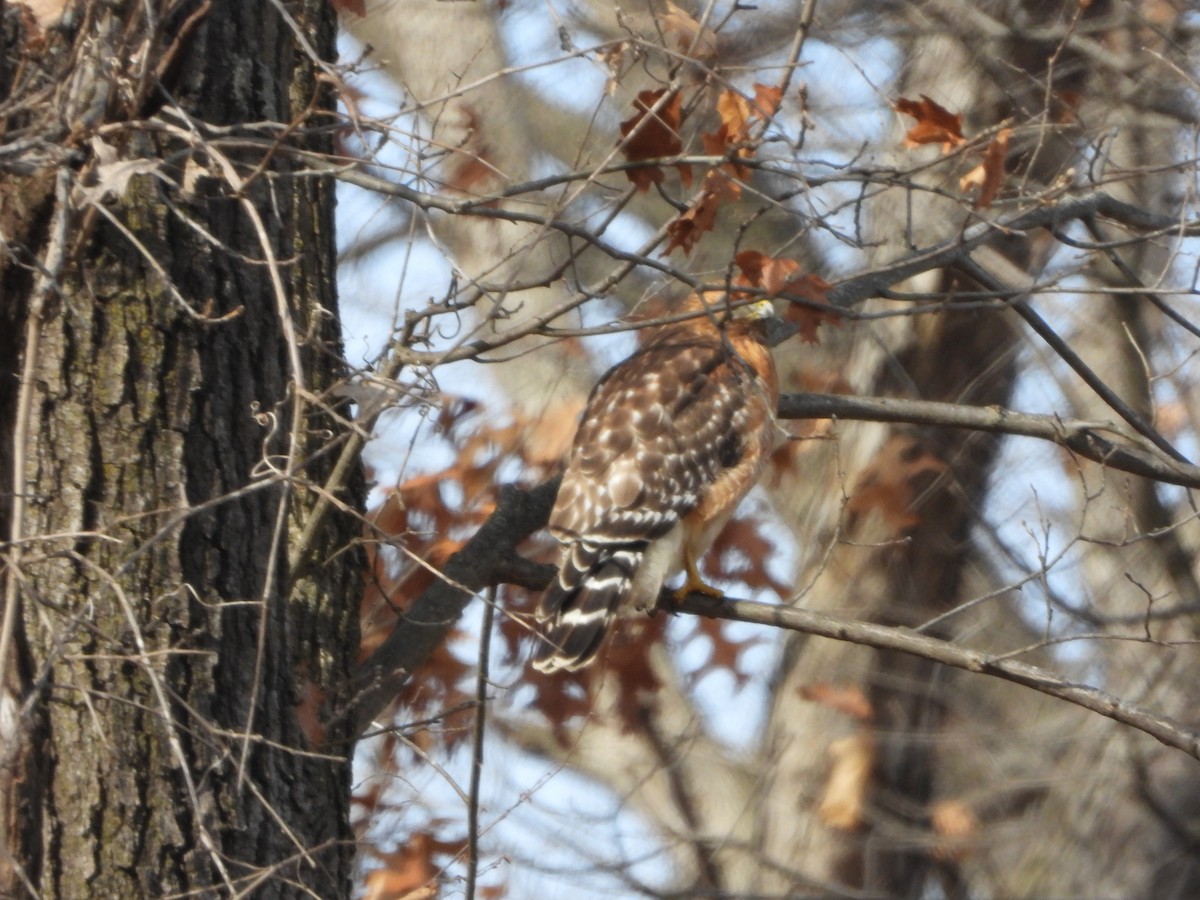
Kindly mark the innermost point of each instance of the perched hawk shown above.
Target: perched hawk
(670, 442)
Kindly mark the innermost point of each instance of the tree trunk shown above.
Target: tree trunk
(177, 330)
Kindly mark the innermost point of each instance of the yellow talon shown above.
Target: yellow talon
(694, 584)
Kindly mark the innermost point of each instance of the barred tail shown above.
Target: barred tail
(579, 606)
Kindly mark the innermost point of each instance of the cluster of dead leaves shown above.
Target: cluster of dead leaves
(654, 131)
(732, 139)
(937, 125)
(412, 533)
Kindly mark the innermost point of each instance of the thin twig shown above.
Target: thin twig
(47, 283)
(481, 685)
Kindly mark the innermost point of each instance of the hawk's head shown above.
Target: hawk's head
(760, 319)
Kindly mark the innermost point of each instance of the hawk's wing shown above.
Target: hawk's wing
(655, 432)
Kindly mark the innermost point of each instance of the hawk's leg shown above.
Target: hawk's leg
(693, 584)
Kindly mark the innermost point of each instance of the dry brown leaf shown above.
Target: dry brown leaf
(741, 552)
(809, 318)
(988, 176)
(354, 7)
(845, 698)
(889, 485)
(726, 652)
(734, 111)
(46, 12)
(701, 216)
(646, 135)
(935, 123)
(957, 826)
(628, 659)
(559, 698)
(767, 98)
(844, 801)
(689, 37)
(733, 135)
(391, 516)
(406, 872)
(766, 272)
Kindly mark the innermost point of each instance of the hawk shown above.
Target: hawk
(669, 443)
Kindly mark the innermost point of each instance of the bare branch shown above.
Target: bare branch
(1080, 437)
(904, 640)
(490, 558)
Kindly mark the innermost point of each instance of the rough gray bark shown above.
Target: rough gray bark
(175, 630)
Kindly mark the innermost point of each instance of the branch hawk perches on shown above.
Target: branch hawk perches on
(670, 442)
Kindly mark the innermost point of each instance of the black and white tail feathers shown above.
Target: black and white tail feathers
(578, 607)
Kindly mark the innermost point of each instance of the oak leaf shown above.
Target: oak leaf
(778, 276)
(734, 111)
(652, 135)
(935, 123)
(810, 316)
(890, 484)
(726, 654)
(767, 272)
(844, 801)
(845, 698)
(957, 826)
(988, 176)
(733, 135)
(742, 551)
(689, 36)
(630, 670)
(701, 217)
(408, 872)
(767, 98)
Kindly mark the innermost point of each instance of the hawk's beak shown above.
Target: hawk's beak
(775, 329)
